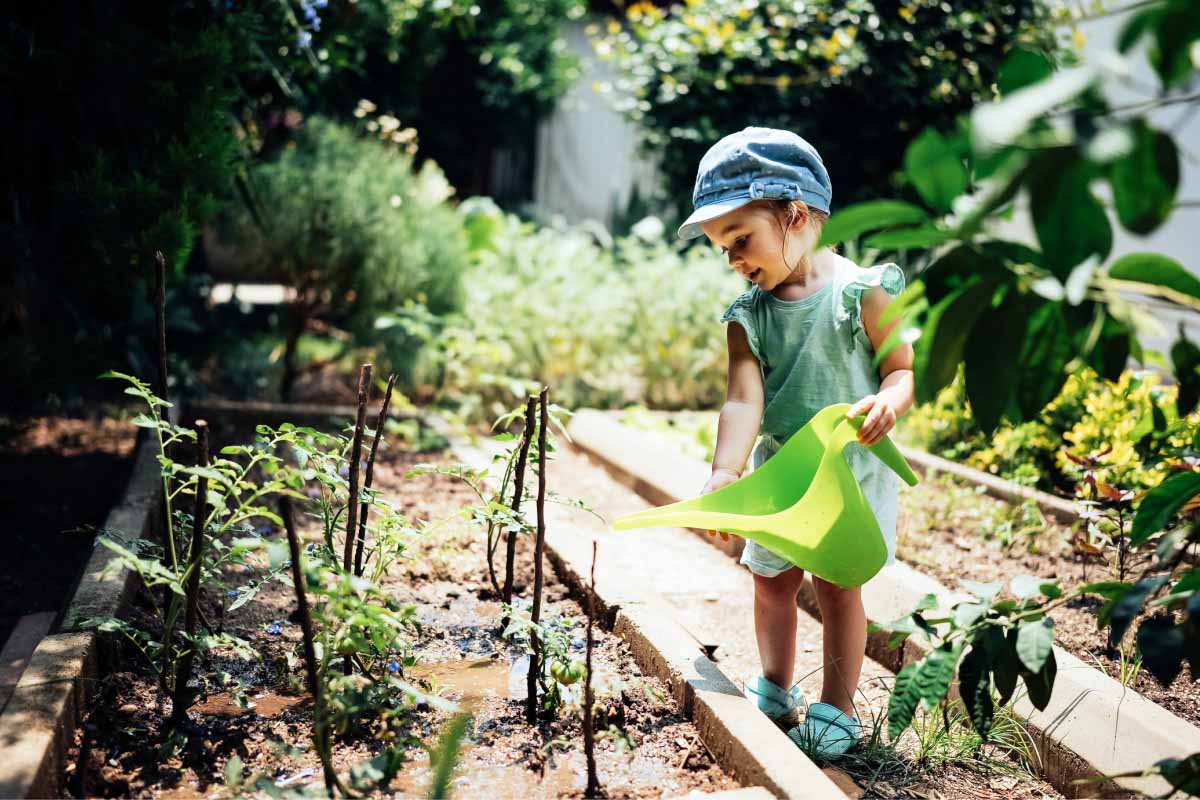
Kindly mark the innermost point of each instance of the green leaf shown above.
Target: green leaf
(1006, 666)
(975, 688)
(445, 757)
(1046, 352)
(1185, 358)
(1035, 641)
(1022, 68)
(927, 680)
(967, 614)
(1070, 222)
(1145, 180)
(1162, 646)
(1156, 269)
(1182, 774)
(1040, 684)
(1026, 586)
(903, 702)
(935, 167)
(940, 349)
(921, 237)
(1119, 614)
(855, 220)
(984, 591)
(1050, 589)
(1109, 590)
(1161, 504)
(992, 354)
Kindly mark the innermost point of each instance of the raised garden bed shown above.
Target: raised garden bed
(458, 655)
(952, 531)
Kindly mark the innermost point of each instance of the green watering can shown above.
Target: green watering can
(804, 503)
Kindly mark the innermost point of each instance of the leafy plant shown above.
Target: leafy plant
(239, 484)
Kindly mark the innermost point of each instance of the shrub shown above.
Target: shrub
(604, 327)
(858, 79)
(1088, 417)
(354, 229)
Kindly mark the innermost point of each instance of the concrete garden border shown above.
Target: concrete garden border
(1093, 726)
(741, 739)
(39, 720)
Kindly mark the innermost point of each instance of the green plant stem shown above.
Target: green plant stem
(180, 701)
(366, 507)
(535, 666)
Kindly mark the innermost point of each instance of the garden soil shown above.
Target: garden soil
(61, 475)
(261, 715)
(953, 532)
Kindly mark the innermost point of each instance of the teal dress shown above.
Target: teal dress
(814, 352)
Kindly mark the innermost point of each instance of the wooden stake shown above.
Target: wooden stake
(589, 734)
(181, 699)
(535, 658)
(364, 388)
(510, 553)
(160, 320)
(320, 733)
(366, 509)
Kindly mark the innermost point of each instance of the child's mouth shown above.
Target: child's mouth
(753, 276)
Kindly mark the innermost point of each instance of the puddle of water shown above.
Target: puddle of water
(264, 704)
(474, 777)
(471, 681)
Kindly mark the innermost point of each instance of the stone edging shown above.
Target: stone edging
(39, 720)
(1092, 727)
(742, 740)
(1064, 511)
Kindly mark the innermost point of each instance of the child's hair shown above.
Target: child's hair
(792, 210)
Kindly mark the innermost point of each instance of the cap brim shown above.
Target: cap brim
(690, 228)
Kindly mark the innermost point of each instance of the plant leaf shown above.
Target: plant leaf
(855, 220)
(1162, 503)
(1035, 642)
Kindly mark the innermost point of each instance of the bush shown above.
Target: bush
(858, 79)
(603, 327)
(1089, 416)
(350, 225)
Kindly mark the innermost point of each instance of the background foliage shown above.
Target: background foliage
(856, 78)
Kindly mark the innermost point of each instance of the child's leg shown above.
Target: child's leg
(775, 624)
(845, 637)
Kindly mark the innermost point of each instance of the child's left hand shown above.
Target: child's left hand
(881, 418)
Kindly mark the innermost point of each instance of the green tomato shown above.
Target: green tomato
(566, 673)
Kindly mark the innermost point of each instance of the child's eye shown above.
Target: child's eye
(739, 242)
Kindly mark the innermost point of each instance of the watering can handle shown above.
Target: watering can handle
(885, 450)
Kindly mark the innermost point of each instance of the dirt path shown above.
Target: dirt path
(712, 596)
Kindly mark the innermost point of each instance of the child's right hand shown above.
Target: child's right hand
(720, 477)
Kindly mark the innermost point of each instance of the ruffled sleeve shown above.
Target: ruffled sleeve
(741, 312)
(849, 312)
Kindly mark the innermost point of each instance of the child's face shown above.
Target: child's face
(753, 238)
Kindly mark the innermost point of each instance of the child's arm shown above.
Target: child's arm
(895, 395)
(740, 416)
(737, 427)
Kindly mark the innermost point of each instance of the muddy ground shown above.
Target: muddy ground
(460, 656)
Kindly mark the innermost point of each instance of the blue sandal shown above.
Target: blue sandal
(781, 707)
(827, 731)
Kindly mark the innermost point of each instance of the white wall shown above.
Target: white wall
(586, 163)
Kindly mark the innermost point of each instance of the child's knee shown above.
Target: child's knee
(781, 588)
(832, 594)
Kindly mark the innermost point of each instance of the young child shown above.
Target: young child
(805, 336)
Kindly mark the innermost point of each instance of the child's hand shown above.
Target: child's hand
(720, 477)
(881, 418)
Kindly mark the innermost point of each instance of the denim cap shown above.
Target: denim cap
(756, 164)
